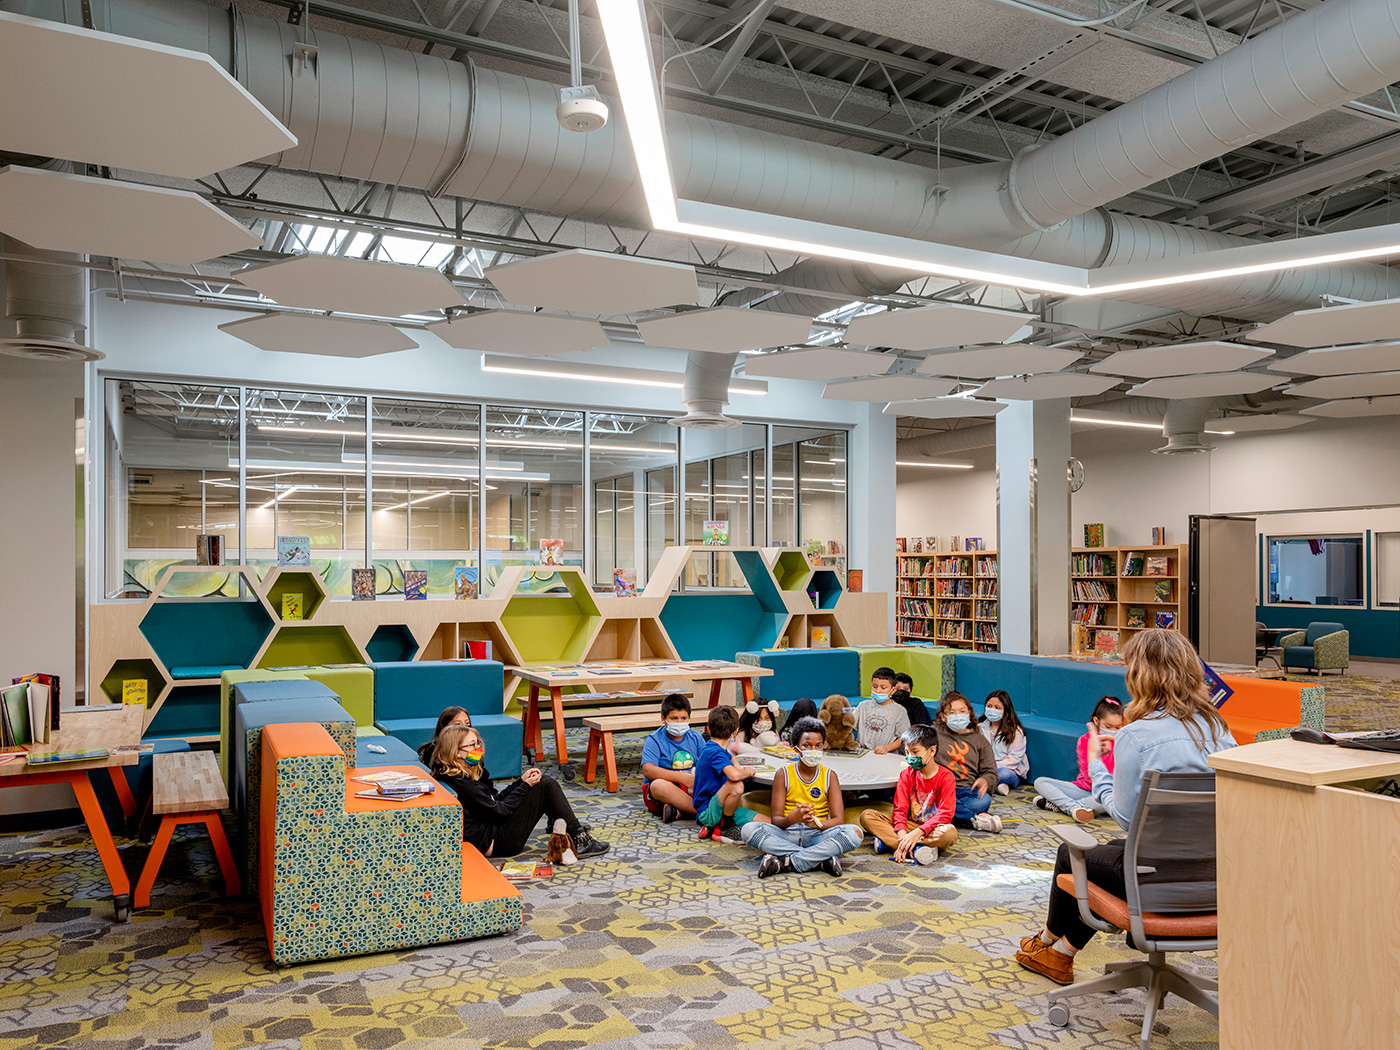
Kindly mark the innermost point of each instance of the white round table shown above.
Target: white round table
(870, 772)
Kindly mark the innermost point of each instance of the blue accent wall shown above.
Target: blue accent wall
(1374, 632)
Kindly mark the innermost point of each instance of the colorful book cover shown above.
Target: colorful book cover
(855, 580)
(900, 544)
(1165, 620)
(1162, 591)
(465, 581)
(134, 691)
(293, 550)
(1158, 565)
(362, 585)
(821, 638)
(1094, 534)
(916, 545)
(473, 649)
(551, 552)
(1106, 643)
(1132, 564)
(1159, 535)
(625, 583)
(292, 605)
(1219, 690)
(1137, 617)
(209, 548)
(716, 533)
(415, 585)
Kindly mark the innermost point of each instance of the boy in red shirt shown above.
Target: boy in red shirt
(924, 800)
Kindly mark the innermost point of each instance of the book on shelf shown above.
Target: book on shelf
(292, 605)
(974, 543)
(134, 691)
(1132, 563)
(415, 585)
(916, 544)
(551, 552)
(472, 649)
(1164, 619)
(294, 550)
(820, 638)
(1106, 643)
(362, 585)
(1158, 565)
(625, 583)
(855, 580)
(465, 581)
(1083, 639)
(899, 545)
(1159, 535)
(1094, 534)
(1137, 617)
(209, 548)
(1162, 591)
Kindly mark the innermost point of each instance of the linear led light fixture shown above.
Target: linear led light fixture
(920, 463)
(451, 473)
(629, 47)
(1076, 417)
(389, 434)
(505, 365)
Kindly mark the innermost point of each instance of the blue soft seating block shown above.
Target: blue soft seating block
(250, 716)
(977, 674)
(503, 736)
(422, 688)
(282, 689)
(813, 673)
(396, 753)
(1068, 689)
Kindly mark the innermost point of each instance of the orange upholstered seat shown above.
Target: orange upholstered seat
(1115, 910)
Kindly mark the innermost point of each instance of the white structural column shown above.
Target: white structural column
(1033, 521)
(870, 481)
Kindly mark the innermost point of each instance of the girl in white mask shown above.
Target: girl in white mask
(758, 727)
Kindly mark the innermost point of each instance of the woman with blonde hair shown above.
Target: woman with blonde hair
(1170, 725)
(499, 823)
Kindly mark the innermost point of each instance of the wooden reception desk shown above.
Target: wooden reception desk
(1309, 874)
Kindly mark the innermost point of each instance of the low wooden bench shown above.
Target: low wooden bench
(187, 789)
(610, 703)
(600, 736)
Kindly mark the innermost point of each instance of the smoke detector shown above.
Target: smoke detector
(1183, 445)
(580, 109)
(49, 350)
(701, 419)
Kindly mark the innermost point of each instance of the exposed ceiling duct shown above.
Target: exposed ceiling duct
(1184, 427)
(46, 296)
(706, 391)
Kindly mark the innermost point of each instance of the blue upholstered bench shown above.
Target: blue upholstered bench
(798, 673)
(409, 696)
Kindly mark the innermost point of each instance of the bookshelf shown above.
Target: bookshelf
(951, 598)
(1125, 590)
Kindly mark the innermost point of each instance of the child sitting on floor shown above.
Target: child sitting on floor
(879, 720)
(924, 801)
(668, 761)
(1002, 729)
(1075, 798)
(451, 716)
(809, 828)
(719, 783)
(758, 720)
(904, 696)
(965, 753)
(804, 708)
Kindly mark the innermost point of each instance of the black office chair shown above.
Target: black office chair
(1169, 874)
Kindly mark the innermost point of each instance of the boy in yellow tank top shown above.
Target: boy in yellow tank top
(808, 829)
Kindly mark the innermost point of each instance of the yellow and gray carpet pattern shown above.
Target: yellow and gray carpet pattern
(667, 941)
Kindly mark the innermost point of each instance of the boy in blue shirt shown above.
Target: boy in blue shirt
(668, 761)
(719, 783)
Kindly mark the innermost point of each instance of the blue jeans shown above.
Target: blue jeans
(806, 846)
(1009, 777)
(969, 805)
(1066, 795)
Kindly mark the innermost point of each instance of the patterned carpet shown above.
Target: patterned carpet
(667, 941)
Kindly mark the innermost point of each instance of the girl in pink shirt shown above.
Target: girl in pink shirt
(1076, 797)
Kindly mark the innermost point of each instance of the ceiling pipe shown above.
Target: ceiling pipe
(1184, 427)
(46, 297)
(705, 391)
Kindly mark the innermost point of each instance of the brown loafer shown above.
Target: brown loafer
(1047, 962)
(1032, 943)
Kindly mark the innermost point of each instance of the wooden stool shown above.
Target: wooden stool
(187, 790)
(600, 737)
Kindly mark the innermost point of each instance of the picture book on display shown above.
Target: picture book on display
(50, 683)
(362, 585)
(551, 552)
(821, 638)
(1164, 619)
(1162, 591)
(855, 580)
(292, 605)
(1159, 536)
(465, 581)
(472, 649)
(625, 583)
(209, 548)
(1106, 643)
(1094, 535)
(1132, 563)
(1137, 617)
(415, 585)
(134, 691)
(716, 533)
(900, 544)
(294, 550)
(1158, 565)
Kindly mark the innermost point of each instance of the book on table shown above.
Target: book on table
(55, 757)
(14, 716)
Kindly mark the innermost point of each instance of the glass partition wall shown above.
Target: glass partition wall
(447, 484)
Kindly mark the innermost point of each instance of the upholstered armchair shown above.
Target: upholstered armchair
(1322, 646)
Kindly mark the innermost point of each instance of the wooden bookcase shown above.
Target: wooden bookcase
(1125, 589)
(949, 597)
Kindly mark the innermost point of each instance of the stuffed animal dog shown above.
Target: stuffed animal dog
(561, 846)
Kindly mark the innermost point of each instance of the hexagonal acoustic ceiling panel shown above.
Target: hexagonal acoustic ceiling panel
(1373, 384)
(326, 336)
(520, 332)
(945, 408)
(818, 362)
(59, 212)
(1214, 384)
(600, 283)
(1182, 359)
(1046, 387)
(1342, 360)
(105, 99)
(1333, 325)
(725, 329)
(888, 388)
(351, 286)
(1012, 359)
(1358, 406)
(932, 327)
(1256, 424)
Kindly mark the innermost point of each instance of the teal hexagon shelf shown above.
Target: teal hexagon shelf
(201, 636)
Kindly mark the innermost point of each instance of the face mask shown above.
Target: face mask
(880, 698)
(812, 758)
(763, 727)
(916, 762)
(957, 723)
(1108, 732)
(677, 729)
(474, 756)
(993, 714)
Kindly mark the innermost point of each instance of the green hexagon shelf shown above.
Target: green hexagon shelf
(285, 580)
(309, 644)
(128, 670)
(553, 625)
(792, 570)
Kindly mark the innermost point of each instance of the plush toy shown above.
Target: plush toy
(749, 740)
(561, 845)
(840, 724)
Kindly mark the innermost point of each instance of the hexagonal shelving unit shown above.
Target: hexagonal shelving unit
(448, 641)
(792, 570)
(827, 587)
(310, 644)
(391, 642)
(555, 625)
(198, 638)
(715, 623)
(286, 579)
(124, 670)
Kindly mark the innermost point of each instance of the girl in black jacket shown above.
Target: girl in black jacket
(500, 823)
(451, 716)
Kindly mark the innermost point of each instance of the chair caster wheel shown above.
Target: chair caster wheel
(1059, 1015)
(122, 905)
(567, 772)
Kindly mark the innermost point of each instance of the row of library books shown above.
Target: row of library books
(29, 711)
(937, 544)
(1094, 535)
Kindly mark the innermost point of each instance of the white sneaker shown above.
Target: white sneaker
(925, 855)
(987, 822)
(1003, 789)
